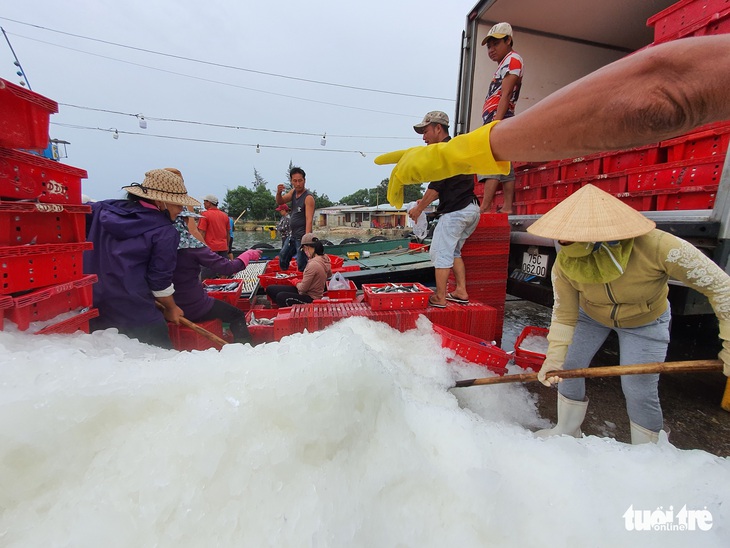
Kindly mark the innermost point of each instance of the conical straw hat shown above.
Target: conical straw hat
(591, 215)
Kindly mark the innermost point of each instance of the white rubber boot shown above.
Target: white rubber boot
(639, 434)
(570, 416)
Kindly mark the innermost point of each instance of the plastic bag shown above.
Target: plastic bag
(338, 281)
(420, 227)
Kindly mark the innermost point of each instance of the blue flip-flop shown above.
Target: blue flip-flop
(457, 300)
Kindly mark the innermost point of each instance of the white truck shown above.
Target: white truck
(682, 184)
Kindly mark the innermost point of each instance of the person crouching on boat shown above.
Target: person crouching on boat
(314, 278)
(611, 274)
(134, 257)
(190, 295)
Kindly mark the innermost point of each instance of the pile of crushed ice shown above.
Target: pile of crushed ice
(345, 437)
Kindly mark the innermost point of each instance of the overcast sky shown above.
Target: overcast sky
(89, 54)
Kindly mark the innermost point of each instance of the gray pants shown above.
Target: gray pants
(644, 344)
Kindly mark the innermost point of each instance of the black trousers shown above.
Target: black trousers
(286, 295)
(229, 314)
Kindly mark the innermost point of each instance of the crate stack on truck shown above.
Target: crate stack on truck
(678, 174)
(42, 223)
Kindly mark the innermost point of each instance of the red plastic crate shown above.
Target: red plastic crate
(561, 190)
(48, 303)
(69, 326)
(700, 172)
(34, 266)
(544, 175)
(336, 261)
(577, 168)
(613, 184)
(24, 117)
(473, 349)
(184, 338)
(25, 176)
(526, 358)
(538, 207)
(262, 333)
(5, 303)
(697, 145)
(639, 201)
(528, 193)
(348, 294)
(230, 297)
(632, 158)
(687, 198)
(293, 278)
(672, 21)
(25, 223)
(385, 301)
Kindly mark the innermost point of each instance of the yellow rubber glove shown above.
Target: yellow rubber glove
(462, 155)
(560, 336)
(724, 354)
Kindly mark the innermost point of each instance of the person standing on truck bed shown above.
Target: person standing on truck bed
(655, 94)
(504, 90)
(300, 221)
(458, 212)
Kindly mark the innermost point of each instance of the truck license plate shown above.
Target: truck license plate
(535, 264)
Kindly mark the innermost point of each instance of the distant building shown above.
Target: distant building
(382, 216)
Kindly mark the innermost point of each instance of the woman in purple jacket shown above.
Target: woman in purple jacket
(190, 295)
(135, 247)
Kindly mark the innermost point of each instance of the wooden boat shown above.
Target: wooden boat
(342, 250)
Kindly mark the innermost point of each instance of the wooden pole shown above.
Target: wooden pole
(725, 404)
(694, 366)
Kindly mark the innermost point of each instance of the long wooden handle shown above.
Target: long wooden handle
(212, 337)
(694, 366)
(204, 332)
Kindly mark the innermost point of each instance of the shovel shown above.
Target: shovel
(693, 366)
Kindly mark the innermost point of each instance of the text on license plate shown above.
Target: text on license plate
(535, 264)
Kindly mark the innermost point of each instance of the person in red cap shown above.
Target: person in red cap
(283, 227)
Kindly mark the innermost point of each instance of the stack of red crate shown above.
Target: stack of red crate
(486, 259)
(677, 174)
(42, 220)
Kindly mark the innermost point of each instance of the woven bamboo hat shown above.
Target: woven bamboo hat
(163, 185)
(591, 215)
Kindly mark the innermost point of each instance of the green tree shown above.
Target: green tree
(258, 180)
(321, 201)
(411, 193)
(359, 197)
(238, 200)
(263, 204)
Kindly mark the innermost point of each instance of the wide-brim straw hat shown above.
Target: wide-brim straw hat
(163, 185)
(591, 215)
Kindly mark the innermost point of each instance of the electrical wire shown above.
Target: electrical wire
(228, 126)
(221, 65)
(210, 141)
(212, 81)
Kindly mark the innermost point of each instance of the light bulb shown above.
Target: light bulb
(142, 121)
(323, 142)
(258, 149)
(116, 134)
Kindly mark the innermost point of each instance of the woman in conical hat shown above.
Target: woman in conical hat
(134, 256)
(611, 274)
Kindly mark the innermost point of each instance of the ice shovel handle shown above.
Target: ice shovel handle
(693, 366)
